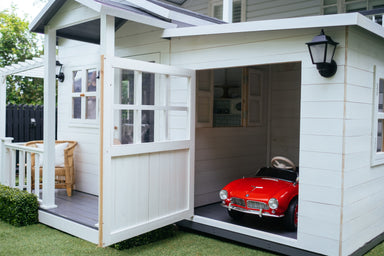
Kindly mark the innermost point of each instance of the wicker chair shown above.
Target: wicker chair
(64, 176)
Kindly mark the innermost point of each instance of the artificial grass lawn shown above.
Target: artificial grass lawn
(41, 240)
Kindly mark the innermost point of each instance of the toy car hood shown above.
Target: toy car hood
(259, 188)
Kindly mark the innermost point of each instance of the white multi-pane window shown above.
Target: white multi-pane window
(238, 11)
(84, 95)
(378, 124)
(150, 107)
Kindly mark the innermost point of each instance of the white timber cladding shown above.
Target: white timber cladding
(363, 183)
(75, 55)
(148, 185)
(320, 111)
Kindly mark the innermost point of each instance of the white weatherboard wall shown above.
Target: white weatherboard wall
(321, 119)
(263, 10)
(75, 55)
(363, 197)
(134, 39)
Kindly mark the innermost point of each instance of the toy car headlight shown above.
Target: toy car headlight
(223, 194)
(273, 203)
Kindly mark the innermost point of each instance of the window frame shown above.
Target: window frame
(161, 107)
(246, 98)
(83, 94)
(377, 158)
(243, 15)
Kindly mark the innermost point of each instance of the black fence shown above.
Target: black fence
(25, 122)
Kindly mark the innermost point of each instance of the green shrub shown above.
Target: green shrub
(147, 238)
(18, 208)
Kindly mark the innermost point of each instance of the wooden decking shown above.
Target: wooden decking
(81, 208)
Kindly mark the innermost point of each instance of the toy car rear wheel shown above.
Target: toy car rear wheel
(290, 218)
(236, 215)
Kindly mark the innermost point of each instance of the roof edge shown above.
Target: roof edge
(347, 19)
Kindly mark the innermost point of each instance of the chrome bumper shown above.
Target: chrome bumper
(259, 212)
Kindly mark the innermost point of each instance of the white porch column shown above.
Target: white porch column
(5, 169)
(227, 10)
(49, 118)
(107, 48)
(3, 104)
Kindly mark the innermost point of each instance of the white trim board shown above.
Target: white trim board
(70, 227)
(347, 19)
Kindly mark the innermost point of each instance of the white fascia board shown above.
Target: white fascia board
(88, 3)
(152, 8)
(369, 25)
(124, 14)
(41, 13)
(271, 25)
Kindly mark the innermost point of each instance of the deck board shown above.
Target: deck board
(81, 207)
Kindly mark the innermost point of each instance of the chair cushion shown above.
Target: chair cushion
(59, 154)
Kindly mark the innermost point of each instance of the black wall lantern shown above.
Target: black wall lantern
(322, 48)
(59, 73)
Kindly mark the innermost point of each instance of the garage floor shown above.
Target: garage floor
(272, 225)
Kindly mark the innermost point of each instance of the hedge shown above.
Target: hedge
(147, 238)
(18, 208)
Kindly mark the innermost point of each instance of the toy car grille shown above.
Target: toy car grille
(238, 201)
(257, 205)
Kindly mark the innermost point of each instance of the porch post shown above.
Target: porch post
(49, 118)
(227, 10)
(3, 96)
(107, 49)
(3, 104)
(5, 169)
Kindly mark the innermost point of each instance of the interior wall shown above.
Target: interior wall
(285, 111)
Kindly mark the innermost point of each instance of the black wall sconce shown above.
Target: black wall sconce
(59, 73)
(322, 49)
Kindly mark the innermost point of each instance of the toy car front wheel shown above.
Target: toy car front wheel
(291, 215)
(235, 214)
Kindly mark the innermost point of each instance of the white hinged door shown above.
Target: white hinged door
(147, 144)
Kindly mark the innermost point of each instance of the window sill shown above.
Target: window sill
(82, 124)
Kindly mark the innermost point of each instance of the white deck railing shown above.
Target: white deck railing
(21, 177)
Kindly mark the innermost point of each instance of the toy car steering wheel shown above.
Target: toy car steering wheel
(282, 163)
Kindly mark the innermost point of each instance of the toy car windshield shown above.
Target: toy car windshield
(275, 173)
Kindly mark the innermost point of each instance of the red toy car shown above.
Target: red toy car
(273, 192)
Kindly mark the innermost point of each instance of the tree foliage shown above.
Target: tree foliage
(17, 44)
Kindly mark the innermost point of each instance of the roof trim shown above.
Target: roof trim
(113, 10)
(348, 19)
(46, 14)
